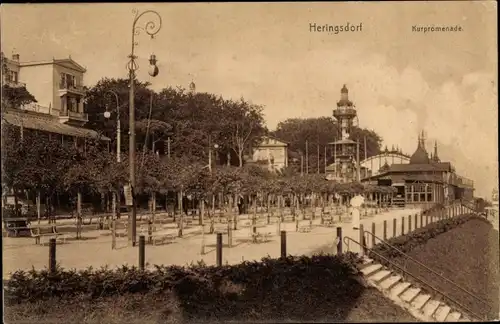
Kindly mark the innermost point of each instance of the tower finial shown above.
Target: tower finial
(435, 156)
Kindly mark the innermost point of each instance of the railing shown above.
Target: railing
(422, 281)
(35, 107)
(69, 86)
(429, 269)
(76, 115)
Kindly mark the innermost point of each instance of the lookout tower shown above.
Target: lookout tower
(345, 167)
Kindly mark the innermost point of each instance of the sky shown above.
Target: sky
(401, 81)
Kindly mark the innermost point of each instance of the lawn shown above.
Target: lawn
(467, 255)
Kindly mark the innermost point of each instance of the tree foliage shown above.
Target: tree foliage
(318, 133)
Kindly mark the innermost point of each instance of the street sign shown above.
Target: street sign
(129, 201)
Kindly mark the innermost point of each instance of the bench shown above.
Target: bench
(16, 226)
(163, 238)
(260, 237)
(46, 231)
(304, 229)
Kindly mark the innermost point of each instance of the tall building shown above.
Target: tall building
(57, 86)
(345, 166)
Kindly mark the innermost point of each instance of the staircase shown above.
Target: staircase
(419, 304)
(402, 292)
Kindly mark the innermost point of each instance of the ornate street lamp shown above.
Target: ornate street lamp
(151, 28)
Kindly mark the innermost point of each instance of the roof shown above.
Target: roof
(420, 156)
(343, 141)
(434, 167)
(67, 62)
(48, 123)
(268, 141)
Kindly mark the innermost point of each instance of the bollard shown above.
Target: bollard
(403, 225)
(219, 250)
(409, 223)
(52, 255)
(339, 240)
(142, 251)
(385, 230)
(362, 240)
(283, 244)
(416, 219)
(394, 224)
(373, 235)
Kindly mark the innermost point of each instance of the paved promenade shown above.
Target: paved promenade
(95, 249)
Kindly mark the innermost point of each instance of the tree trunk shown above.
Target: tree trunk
(202, 214)
(79, 215)
(181, 219)
(240, 158)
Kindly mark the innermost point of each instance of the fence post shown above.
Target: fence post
(426, 219)
(394, 224)
(339, 240)
(219, 250)
(283, 243)
(362, 240)
(416, 221)
(402, 225)
(409, 223)
(52, 255)
(373, 234)
(385, 230)
(421, 219)
(142, 251)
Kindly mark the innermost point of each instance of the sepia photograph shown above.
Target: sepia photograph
(267, 162)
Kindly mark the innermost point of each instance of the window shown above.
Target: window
(72, 105)
(67, 81)
(14, 76)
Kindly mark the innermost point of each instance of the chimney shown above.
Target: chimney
(15, 57)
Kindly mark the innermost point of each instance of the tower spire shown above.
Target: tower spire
(435, 156)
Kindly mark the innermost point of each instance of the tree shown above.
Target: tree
(15, 97)
(318, 133)
(243, 126)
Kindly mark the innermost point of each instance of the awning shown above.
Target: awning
(49, 124)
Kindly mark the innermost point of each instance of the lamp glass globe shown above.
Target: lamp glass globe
(107, 114)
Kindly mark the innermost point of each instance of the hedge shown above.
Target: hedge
(270, 285)
(407, 242)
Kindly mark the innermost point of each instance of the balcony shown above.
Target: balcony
(66, 87)
(73, 117)
(35, 108)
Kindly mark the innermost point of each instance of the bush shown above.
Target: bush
(262, 289)
(406, 243)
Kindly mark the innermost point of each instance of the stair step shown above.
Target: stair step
(441, 313)
(381, 275)
(371, 269)
(399, 288)
(410, 294)
(430, 307)
(367, 261)
(389, 282)
(420, 301)
(453, 317)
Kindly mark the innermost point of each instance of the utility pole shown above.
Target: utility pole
(307, 157)
(318, 156)
(325, 159)
(301, 164)
(357, 160)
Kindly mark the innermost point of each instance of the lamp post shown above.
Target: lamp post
(116, 202)
(151, 28)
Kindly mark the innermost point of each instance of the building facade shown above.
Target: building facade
(57, 86)
(272, 152)
(424, 180)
